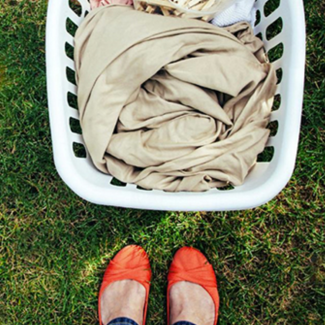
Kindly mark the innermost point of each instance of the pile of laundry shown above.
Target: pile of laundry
(173, 103)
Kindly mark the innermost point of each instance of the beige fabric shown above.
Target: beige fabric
(99, 3)
(171, 103)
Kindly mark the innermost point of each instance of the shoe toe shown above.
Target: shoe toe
(188, 258)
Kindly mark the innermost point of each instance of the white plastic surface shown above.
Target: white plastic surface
(264, 182)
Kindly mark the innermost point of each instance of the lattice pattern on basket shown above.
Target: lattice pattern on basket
(269, 31)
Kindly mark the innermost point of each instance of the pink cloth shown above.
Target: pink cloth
(99, 3)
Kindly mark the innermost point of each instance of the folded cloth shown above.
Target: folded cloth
(99, 3)
(169, 103)
(242, 10)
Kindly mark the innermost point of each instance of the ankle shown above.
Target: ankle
(190, 302)
(123, 298)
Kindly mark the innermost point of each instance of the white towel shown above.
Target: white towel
(242, 10)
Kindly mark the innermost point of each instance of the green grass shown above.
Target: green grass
(54, 247)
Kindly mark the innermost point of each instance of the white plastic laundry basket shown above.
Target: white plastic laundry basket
(266, 179)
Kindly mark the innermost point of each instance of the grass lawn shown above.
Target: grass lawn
(54, 247)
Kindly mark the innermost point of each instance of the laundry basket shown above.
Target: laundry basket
(283, 32)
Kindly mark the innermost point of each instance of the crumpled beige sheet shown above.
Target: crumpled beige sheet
(99, 3)
(171, 103)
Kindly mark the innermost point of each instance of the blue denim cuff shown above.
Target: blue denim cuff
(122, 321)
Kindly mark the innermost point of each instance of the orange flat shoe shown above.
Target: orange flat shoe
(189, 264)
(130, 263)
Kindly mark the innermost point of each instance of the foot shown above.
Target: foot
(191, 302)
(125, 298)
